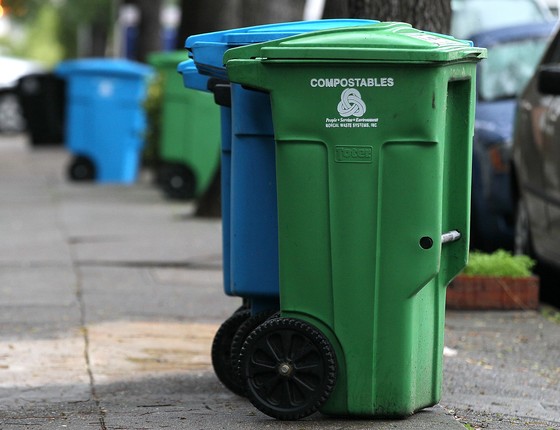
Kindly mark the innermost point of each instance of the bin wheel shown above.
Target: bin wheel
(221, 351)
(81, 169)
(290, 368)
(179, 182)
(239, 339)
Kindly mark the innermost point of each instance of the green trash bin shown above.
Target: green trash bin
(190, 140)
(373, 128)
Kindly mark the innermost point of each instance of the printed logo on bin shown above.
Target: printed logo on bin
(353, 154)
(351, 104)
(106, 88)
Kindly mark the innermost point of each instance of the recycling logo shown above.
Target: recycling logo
(351, 103)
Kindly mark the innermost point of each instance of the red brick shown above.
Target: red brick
(485, 293)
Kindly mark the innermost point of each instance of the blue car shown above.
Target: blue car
(513, 54)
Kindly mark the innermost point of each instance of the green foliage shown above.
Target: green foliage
(52, 27)
(499, 263)
(41, 42)
(72, 10)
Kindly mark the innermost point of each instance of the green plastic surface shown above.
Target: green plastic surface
(190, 122)
(388, 41)
(373, 158)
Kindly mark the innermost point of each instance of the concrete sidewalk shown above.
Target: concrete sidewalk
(110, 297)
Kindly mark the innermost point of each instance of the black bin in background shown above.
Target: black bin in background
(42, 97)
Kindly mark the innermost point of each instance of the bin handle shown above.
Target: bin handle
(450, 236)
(426, 242)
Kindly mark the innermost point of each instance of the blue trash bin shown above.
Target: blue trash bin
(249, 208)
(249, 211)
(105, 118)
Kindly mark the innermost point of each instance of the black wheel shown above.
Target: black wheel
(178, 181)
(221, 351)
(81, 169)
(239, 339)
(290, 368)
(522, 240)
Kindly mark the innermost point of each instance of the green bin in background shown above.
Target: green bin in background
(373, 128)
(189, 142)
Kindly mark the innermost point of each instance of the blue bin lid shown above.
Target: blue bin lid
(208, 49)
(191, 77)
(103, 67)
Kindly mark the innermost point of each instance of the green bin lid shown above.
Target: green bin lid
(387, 41)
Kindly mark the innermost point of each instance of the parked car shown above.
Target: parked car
(536, 162)
(513, 54)
(475, 16)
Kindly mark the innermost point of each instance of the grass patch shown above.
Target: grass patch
(499, 264)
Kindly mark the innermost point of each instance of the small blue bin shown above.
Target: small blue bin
(249, 208)
(105, 119)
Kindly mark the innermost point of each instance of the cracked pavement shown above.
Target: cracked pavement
(110, 297)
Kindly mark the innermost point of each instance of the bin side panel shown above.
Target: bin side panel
(304, 248)
(254, 209)
(251, 112)
(409, 209)
(254, 217)
(78, 116)
(457, 172)
(353, 219)
(118, 141)
(225, 177)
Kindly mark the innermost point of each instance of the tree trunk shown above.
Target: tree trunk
(210, 203)
(203, 16)
(335, 9)
(429, 15)
(149, 32)
(99, 38)
(256, 12)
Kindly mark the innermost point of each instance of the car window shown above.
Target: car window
(474, 16)
(509, 67)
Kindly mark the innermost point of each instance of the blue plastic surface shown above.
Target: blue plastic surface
(208, 49)
(104, 66)
(191, 78)
(254, 212)
(249, 209)
(105, 117)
